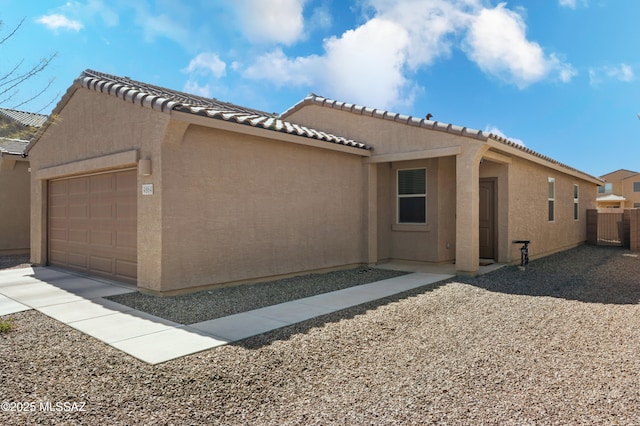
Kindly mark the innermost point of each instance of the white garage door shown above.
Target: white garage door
(92, 224)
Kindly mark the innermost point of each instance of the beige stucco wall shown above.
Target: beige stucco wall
(14, 205)
(238, 207)
(455, 181)
(628, 193)
(96, 132)
(226, 206)
(528, 212)
(434, 242)
(521, 191)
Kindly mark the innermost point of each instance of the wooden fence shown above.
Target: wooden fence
(614, 228)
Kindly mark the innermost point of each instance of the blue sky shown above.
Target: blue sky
(559, 76)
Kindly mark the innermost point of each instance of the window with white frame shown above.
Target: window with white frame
(412, 196)
(636, 186)
(576, 195)
(552, 199)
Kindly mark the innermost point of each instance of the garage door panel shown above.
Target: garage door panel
(101, 183)
(126, 269)
(58, 257)
(102, 238)
(59, 234)
(78, 211)
(78, 236)
(93, 224)
(77, 260)
(77, 186)
(126, 240)
(102, 264)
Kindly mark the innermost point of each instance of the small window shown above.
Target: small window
(552, 199)
(636, 186)
(606, 189)
(636, 205)
(576, 209)
(412, 196)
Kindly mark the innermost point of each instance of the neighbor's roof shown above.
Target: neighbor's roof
(313, 99)
(611, 197)
(25, 118)
(12, 146)
(627, 174)
(167, 100)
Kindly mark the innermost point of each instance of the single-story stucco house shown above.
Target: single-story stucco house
(14, 197)
(177, 192)
(16, 127)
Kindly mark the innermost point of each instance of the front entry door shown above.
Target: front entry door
(487, 218)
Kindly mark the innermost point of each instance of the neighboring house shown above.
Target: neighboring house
(176, 192)
(621, 189)
(16, 127)
(14, 197)
(20, 124)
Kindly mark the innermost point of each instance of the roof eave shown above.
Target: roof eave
(511, 148)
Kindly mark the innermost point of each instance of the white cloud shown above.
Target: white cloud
(497, 43)
(207, 63)
(568, 3)
(432, 25)
(321, 18)
(494, 130)
(372, 64)
(364, 66)
(573, 4)
(273, 21)
(193, 87)
(622, 72)
(56, 22)
(276, 67)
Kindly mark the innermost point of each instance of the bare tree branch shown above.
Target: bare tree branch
(18, 76)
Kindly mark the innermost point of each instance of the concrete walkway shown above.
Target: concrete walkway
(78, 301)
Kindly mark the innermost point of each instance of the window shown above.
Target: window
(636, 186)
(552, 199)
(606, 189)
(412, 196)
(636, 205)
(576, 194)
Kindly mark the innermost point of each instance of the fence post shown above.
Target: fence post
(626, 229)
(592, 227)
(634, 230)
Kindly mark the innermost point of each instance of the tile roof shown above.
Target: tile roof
(25, 118)
(167, 100)
(12, 146)
(313, 99)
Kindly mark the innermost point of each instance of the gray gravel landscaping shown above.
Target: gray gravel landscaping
(556, 344)
(223, 301)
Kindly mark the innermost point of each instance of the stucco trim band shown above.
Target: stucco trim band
(91, 165)
(415, 155)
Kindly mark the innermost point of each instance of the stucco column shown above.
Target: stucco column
(467, 209)
(371, 180)
(38, 221)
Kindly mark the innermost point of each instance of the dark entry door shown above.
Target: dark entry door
(487, 218)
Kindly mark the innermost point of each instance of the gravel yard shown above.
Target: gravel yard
(223, 301)
(556, 344)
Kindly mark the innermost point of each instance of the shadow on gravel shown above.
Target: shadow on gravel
(589, 274)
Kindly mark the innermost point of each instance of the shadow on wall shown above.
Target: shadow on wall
(591, 274)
